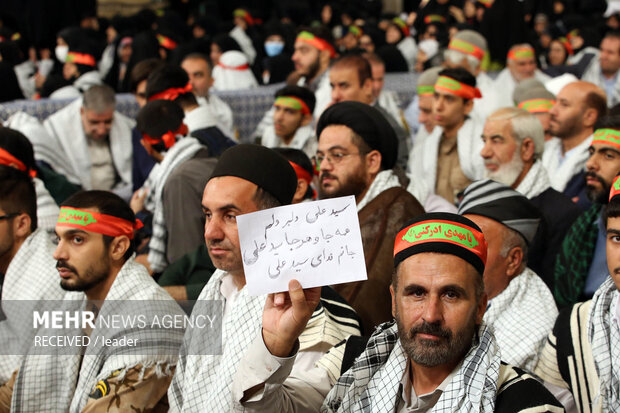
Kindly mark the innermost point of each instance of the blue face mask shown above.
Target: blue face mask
(273, 48)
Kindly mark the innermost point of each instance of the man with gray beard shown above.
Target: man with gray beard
(513, 146)
(439, 355)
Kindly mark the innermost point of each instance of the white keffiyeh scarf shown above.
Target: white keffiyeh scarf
(62, 382)
(560, 175)
(605, 341)
(521, 317)
(382, 182)
(31, 277)
(535, 182)
(182, 150)
(372, 384)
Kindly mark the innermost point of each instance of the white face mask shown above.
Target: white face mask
(61, 53)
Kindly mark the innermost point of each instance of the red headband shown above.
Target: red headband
(81, 59)
(537, 105)
(521, 53)
(166, 42)
(9, 160)
(303, 175)
(95, 222)
(466, 47)
(454, 87)
(169, 138)
(615, 188)
(317, 42)
(240, 67)
(172, 93)
(293, 102)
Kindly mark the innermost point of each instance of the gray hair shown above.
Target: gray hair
(99, 98)
(510, 240)
(456, 58)
(524, 125)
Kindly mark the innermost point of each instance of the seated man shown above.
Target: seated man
(94, 260)
(198, 69)
(579, 362)
(25, 261)
(532, 96)
(580, 267)
(205, 382)
(419, 113)
(170, 82)
(90, 143)
(356, 155)
(292, 121)
(438, 354)
(520, 65)
(175, 187)
(521, 308)
(513, 146)
(449, 159)
(16, 151)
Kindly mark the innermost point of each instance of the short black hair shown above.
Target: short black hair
(300, 158)
(141, 71)
(169, 76)
(199, 56)
(107, 203)
(361, 65)
(459, 74)
(597, 102)
(300, 92)
(158, 117)
(608, 122)
(15, 143)
(18, 194)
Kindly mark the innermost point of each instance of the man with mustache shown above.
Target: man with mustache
(579, 363)
(513, 145)
(521, 308)
(356, 154)
(577, 108)
(439, 354)
(94, 255)
(580, 267)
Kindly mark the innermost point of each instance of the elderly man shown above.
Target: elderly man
(449, 159)
(94, 260)
(419, 113)
(356, 155)
(439, 355)
(513, 145)
(292, 121)
(580, 266)
(603, 71)
(520, 65)
(205, 382)
(350, 78)
(577, 108)
(25, 260)
(521, 308)
(466, 50)
(90, 143)
(579, 363)
(198, 69)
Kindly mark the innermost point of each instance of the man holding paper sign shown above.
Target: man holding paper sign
(357, 153)
(269, 344)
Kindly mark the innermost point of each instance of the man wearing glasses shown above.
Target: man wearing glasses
(356, 155)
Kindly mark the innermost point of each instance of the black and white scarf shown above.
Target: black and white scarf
(372, 384)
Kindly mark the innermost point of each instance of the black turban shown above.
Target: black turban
(368, 123)
(262, 166)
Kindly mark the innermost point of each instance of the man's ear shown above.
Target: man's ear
(527, 149)
(21, 225)
(306, 119)
(515, 259)
(589, 117)
(482, 308)
(373, 162)
(118, 247)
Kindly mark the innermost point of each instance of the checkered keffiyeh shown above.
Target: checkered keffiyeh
(372, 384)
(382, 182)
(62, 382)
(573, 261)
(535, 182)
(605, 341)
(33, 265)
(183, 150)
(521, 317)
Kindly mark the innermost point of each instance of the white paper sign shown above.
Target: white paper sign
(317, 243)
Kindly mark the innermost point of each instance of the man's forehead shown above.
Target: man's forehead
(497, 127)
(301, 45)
(436, 269)
(343, 73)
(335, 135)
(99, 115)
(225, 190)
(194, 65)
